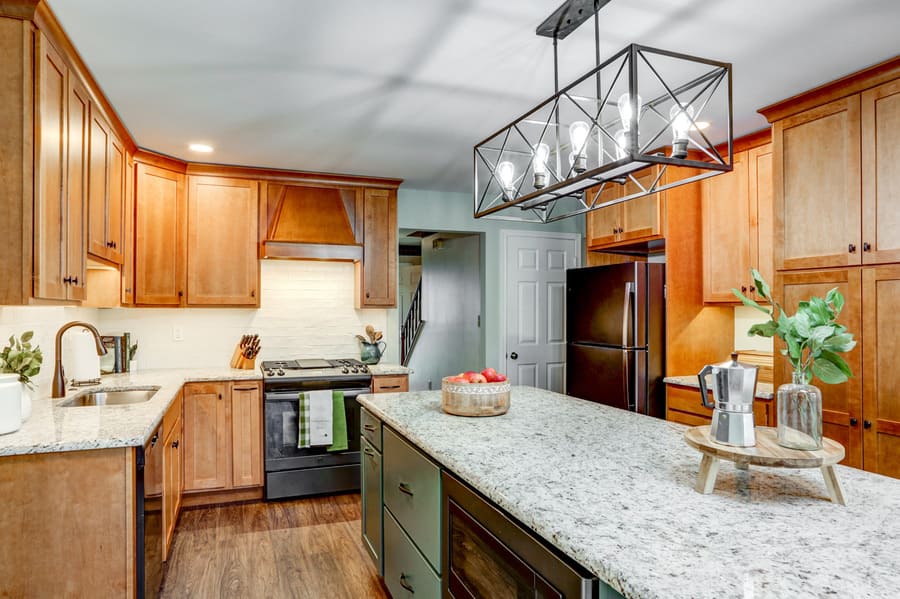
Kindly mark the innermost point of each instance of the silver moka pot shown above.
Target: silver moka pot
(733, 389)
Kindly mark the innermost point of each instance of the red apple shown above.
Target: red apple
(468, 374)
(457, 379)
(499, 378)
(489, 374)
(478, 378)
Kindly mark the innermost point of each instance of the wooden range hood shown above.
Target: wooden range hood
(313, 223)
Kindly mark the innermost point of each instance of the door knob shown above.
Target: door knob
(514, 356)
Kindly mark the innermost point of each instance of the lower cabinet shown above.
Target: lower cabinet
(372, 524)
(407, 573)
(683, 405)
(393, 383)
(172, 467)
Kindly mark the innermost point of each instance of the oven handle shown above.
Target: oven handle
(292, 395)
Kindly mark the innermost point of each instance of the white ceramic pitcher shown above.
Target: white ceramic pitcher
(10, 403)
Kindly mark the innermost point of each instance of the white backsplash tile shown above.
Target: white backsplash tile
(744, 318)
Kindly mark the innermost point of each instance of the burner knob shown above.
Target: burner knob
(269, 373)
(364, 369)
(344, 370)
(354, 369)
(280, 372)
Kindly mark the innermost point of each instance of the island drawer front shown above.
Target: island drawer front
(370, 427)
(406, 572)
(371, 499)
(412, 492)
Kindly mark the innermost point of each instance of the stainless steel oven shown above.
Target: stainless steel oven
(489, 554)
(294, 472)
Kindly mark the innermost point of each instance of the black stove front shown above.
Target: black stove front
(298, 472)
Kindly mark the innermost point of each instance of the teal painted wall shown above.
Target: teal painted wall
(452, 212)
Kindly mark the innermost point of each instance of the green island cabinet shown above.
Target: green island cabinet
(406, 525)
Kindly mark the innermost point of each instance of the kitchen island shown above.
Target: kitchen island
(613, 491)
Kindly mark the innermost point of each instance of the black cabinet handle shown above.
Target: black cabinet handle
(154, 439)
(390, 387)
(851, 248)
(220, 396)
(867, 424)
(67, 280)
(369, 427)
(175, 444)
(369, 452)
(253, 293)
(404, 488)
(181, 294)
(75, 281)
(514, 356)
(242, 389)
(867, 247)
(752, 289)
(405, 584)
(367, 294)
(743, 289)
(854, 422)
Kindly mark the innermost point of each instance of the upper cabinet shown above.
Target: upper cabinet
(159, 236)
(377, 273)
(635, 221)
(737, 226)
(106, 191)
(835, 182)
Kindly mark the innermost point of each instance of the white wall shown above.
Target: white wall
(306, 312)
(44, 321)
(744, 318)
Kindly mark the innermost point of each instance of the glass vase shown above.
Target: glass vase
(800, 414)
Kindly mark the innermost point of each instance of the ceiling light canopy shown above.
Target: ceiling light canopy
(203, 148)
(640, 109)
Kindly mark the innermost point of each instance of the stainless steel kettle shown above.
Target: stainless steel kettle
(733, 389)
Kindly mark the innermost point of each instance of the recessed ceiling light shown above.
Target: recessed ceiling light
(701, 125)
(201, 148)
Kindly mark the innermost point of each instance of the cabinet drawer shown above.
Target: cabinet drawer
(406, 572)
(371, 502)
(412, 492)
(370, 427)
(390, 384)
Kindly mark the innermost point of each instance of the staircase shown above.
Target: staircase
(412, 326)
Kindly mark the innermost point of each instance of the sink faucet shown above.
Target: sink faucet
(59, 378)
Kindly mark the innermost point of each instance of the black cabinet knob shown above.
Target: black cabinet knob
(854, 422)
(867, 247)
(743, 289)
(67, 280)
(867, 424)
(175, 444)
(752, 289)
(75, 281)
(514, 356)
(851, 248)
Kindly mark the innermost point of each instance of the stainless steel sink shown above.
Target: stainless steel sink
(111, 397)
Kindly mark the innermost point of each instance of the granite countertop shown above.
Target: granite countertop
(388, 369)
(763, 390)
(614, 491)
(53, 427)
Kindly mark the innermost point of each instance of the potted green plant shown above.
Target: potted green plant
(814, 341)
(19, 364)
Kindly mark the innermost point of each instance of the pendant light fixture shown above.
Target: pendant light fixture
(643, 108)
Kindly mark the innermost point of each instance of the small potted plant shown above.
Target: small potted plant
(813, 339)
(19, 364)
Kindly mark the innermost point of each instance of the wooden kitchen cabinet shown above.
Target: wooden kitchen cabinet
(223, 436)
(159, 236)
(880, 130)
(394, 383)
(638, 220)
(206, 432)
(879, 373)
(126, 285)
(106, 190)
(737, 221)
(222, 235)
(683, 405)
(173, 473)
(377, 272)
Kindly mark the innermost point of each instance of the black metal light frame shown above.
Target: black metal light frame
(569, 192)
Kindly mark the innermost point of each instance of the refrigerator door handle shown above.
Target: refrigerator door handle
(626, 313)
(629, 398)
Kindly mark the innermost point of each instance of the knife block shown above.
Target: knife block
(240, 362)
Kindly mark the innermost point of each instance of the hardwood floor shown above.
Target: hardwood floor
(304, 549)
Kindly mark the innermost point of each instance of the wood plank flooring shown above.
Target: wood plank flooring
(304, 549)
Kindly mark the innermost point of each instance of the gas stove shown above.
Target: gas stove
(306, 373)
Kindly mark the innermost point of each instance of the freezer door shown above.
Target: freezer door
(606, 306)
(615, 377)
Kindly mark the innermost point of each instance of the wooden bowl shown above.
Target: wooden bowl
(474, 399)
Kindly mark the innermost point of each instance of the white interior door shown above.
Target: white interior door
(535, 290)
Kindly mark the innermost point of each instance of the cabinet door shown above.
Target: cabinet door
(246, 435)
(372, 524)
(173, 484)
(881, 177)
(642, 218)
(127, 285)
(759, 163)
(78, 119)
(98, 185)
(222, 263)
(115, 201)
(726, 233)
(603, 223)
(817, 187)
(843, 402)
(206, 433)
(379, 264)
(159, 237)
(880, 375)
(50, 175)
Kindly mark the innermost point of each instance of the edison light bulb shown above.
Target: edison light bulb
(578, 134)
(621, 139)
(539, 165)
(626, 110)
(682, 120)
(506, 172)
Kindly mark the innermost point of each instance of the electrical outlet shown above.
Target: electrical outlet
(177, 334)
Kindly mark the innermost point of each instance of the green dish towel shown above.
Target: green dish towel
(302, 421)
(338, 422)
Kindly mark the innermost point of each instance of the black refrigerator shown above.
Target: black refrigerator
(615, 332)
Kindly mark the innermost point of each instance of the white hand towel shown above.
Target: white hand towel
(320, 418)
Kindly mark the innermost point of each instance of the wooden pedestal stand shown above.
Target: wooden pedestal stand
(766, 452)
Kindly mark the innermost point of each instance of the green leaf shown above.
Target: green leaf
(785, 325)
(821, 333)
(26, 336)
(766, 329)
(802, 325)
(749, 302)
(841, 342)
(794, 349)
(835, 298)
(837, 361)
(828, 372)
(761, 286)
(820, 311)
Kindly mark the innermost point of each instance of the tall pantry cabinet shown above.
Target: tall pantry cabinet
(836, 188)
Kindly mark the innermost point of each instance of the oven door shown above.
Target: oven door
(282, 453)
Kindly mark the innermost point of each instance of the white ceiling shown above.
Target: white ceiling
(405, 88)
